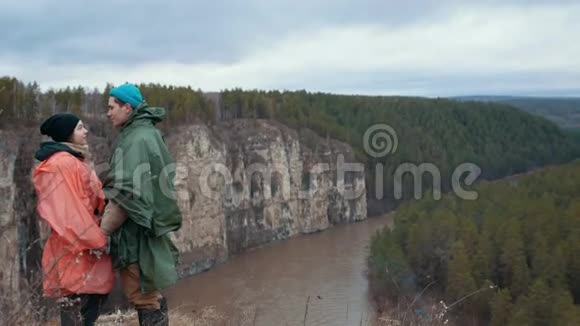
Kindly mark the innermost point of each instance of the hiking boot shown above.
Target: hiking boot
(157, 317)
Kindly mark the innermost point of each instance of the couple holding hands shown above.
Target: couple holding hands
(121, 223)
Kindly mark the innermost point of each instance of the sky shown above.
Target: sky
(370, 47)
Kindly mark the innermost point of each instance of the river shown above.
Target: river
(324, 272)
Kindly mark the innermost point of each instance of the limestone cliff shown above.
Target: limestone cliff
(244, 183)
(9, 271)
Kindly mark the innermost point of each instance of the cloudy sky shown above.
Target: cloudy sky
(411, 47)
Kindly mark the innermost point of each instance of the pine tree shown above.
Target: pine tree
(460, 282)
(30, 106)
(501, 308)
(483, 259)
(514, 269)
(564, 312)
(571, 250)
(538, 303)
(521, 316)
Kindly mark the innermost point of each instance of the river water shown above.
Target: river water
(319, 275)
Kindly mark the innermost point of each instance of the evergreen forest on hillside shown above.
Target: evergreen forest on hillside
(500, 139)
(518, 243)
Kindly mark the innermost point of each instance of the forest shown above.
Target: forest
(498, 138)
(517, 246)
(564, 111)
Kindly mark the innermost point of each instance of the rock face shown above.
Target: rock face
(240, 184)
(9, 264)
(245, 183)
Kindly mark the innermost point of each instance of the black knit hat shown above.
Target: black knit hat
(60, 126)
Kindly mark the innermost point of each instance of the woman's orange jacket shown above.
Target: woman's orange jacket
(69, 198)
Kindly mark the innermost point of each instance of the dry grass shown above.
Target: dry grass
(208, 316)
(433, 315)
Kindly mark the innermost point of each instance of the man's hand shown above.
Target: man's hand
(112, 218)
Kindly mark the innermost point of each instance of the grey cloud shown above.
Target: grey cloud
(70, 32)
(107, 32)
(129, 33)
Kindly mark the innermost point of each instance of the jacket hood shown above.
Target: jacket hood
(48, 148)
(146, 113)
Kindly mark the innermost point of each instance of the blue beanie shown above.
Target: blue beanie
(127, 93)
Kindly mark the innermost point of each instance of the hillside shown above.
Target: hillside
(438, 135)
(565, 112)
(518, 244)
(498, 138)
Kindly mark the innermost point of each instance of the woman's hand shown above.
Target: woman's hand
(99, 251)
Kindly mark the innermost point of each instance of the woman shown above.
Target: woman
(75, 266)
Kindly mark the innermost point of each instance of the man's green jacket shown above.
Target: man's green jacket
(140, 181)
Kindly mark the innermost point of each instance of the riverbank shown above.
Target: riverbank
(209, 316)
(325, 271)
(316, 279)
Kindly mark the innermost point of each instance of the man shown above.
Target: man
(141, 209)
